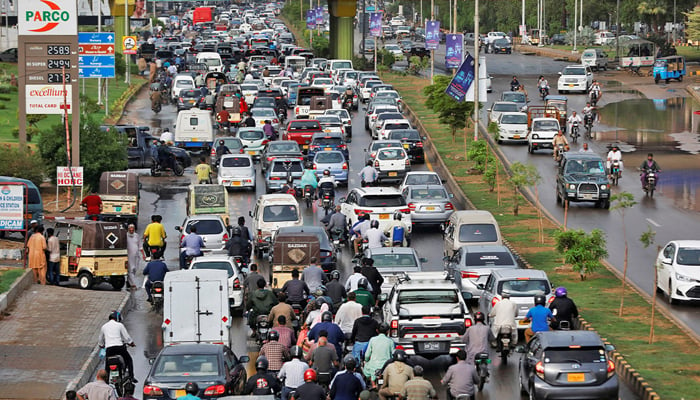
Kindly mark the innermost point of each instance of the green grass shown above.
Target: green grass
(8, 277)
(668, 365)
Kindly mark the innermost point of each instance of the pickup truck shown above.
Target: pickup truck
(139, 143)
(426, 313)
(301, 131)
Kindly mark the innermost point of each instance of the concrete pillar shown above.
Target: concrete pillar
(342, 37)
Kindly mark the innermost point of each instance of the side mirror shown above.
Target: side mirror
(466, 295)
(342, 200)
(520, 349)
(423, 259)
(666, 261)
(383, 297)
(609, 347)
(559, 73)
(452, 195)
(424, 137)
(178, 228)
(480, 286)
(446, 259)
(243, 359)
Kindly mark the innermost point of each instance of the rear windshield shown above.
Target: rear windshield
(219, 265)
(514, 119)
(329, 157)
(524, 287)
(428, 194)
(423, 179)
(505, 107)
(205, 226)
(490, 258)
(279, 147)
(389, 115)
(582, 355)
(394, 260)
(280, 167)
(251, 135)
(383, 201)
(328, 141)
(304, 126)
(184, 83)
(341, 64)
(514, 97)
(391, 154)
(407, 135)
(478, 233)
(236, 162)
(389, 127)
(263, 112)
(428, 296)
(280, 213)
(249, 88)
(187, 365)
(233, 143)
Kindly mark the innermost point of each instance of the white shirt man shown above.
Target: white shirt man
(375, 238)
(167, 137)
(368, 174)
(354, 279)
(114, 333)
(347, 314)
(574, 118)
(614, 155)
(503, 314)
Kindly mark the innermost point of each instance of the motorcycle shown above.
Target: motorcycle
(544, 92)
(588, 125)
(118, 377)
(156, 107)
(309, 195)
(482, 368)
(176, 168)
(338, 238)
(615, 172)
(594, 97)
(262, 327)
(513, 87)
(574, 131)
(504, 342)
(327, 200)
(347, 104)
(560, 150)
(650, 182)
(157, 296)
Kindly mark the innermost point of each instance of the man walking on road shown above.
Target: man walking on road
(37, 258)
(133, 244)
(98, 390)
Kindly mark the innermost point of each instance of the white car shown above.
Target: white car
(210, 227)
(575, 77)
(249, 91)
(372, 115)
(236, 276)
(395, 50)
(325, 83)
(390, 125)
(392, 163)
(542, 133)
(678, 270)
(380, 202)
(499, 107)
(367, 88)
(181, 82)
(491, 36)
(512, 126)
(397, 21)
(236, 171)
(420, 178)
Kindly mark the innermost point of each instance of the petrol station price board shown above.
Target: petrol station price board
(46, 66)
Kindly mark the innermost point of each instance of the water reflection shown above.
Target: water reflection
(682, 187)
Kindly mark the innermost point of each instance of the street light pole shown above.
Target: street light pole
(432, 52)
(617, 32)
(575, 24)
(674, 30)
(476, 70)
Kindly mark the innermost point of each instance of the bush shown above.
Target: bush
(386, 58)
(582, 251)
(321, 46)
(22, 164)
(5, 89)
(480, 154)
(361, 64)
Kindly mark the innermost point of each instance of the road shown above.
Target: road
(166, 196)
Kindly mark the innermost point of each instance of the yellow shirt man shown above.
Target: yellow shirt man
(203, 171)
(155, 233)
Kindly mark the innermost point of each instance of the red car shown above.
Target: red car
(300, 131)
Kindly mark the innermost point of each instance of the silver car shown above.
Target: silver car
(236, 275)
(393, 262)
(254, 141)
(471, 263)
(260, 115)
(210, 227)
(236, 171)
(429, 204)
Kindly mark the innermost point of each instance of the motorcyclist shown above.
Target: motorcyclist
(154, 237)
(559, 138)
(191, 246)
(363, 329)
(292, 372)
(542, 84)
(514, 84)
(275, 352)
(155, 271)
(338, 220)
(308, 177)
(461, 378)
(648, 165)
(156, 98)
(269, 130)
(503, 314)
(165, 156)
(563, 308)
(167, 137)
(358, 230)
(296, 290)
(539, 317)
(395, 375)
(368, 174)
(221, 149)
(249, 121)
(595, 91)
(154, 152)
(570, 122)
(614, 155)
(347, 385)
(222, 118)
(374, 277)
(327, 183)
(313, 275)
(374, 236)
(310, 390)
(363, 294)
(397, 231)
(477, 337)
(587, 110)
(261, 302)
(114, 338)
(238, 246)
(335, 335)
(262, 383)
(348, 95)
(191, 392)
(379, 349)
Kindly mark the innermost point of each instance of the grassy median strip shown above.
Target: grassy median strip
(670, 365)
(8, 276)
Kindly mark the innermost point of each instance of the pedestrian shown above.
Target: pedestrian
(99, 389)
(92, 203)
(53, 259)
(37, 257)
(133, 246)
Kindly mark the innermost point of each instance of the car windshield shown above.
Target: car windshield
(574, 71)
(251, 134)
(235, 162)
(184, 83)
(404, 135)
(391, 154)
(280, 213)
(388, 115)
(249, 88)
(579, 355)
(524, 287)
(506, 107)
(264, 102)
(514, 119)
(384, 200)
(329, 120)
(219, 265)
(395, 260)
(283, 147)
(688, 256)
(477, 233)
(263, 112)
(187, 365)
(329, 157)
(327, 141)
(501, 42)
(428, 296)
(514, 97)
(205, 226)
(584, 167)
(280, 167)
(548, 125)
(428, 194)
(588, 53)
(342, 64)
(339, 113)
(396, 125)
(422, 179)
(488, 258)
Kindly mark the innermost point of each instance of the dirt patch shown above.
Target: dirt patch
(53, 206)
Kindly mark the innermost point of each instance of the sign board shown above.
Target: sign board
(12, 205)
(48, 99)
(454, 44)
(96, 55)
(432, 35)
(483, 83)
(63, 176)
(375, 24)
(129, 45)
(462, 81)
(47, 17)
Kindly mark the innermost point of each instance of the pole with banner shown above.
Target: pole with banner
(375, 30)
(476, 70)
(454, 46)
(432, 42)
(311, 24)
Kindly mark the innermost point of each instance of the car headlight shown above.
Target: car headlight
(683, 278)
(535, 136)
(603, 187)
(572, 186)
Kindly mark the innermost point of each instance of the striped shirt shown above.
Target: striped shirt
(418, 389)
(292, 373)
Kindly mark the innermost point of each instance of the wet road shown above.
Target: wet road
(166, 196)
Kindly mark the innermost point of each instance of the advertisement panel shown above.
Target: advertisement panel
(432, 35)
(11, 207)
(375, 24)
(47, 17)
(63, 176)
(462, 81)
(319, 16)
(48, 99)
(310, 19)
(453, 50)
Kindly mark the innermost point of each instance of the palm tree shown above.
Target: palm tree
(652, 10)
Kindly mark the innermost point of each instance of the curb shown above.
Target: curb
(11, 254)
(20, 285)
(90, 365)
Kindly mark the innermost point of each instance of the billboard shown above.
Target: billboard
(12, 207)
(375, 24)
(462, 81)
(48, 99)
(454, 44)
(310, 19)
(47, 17)
(432, 35)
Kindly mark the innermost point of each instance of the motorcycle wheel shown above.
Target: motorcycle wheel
(614, 179)
(308, 202)
(504, 356)
(574, 136)
(178, 170)
(651, 190)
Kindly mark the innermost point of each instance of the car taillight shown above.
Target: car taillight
(470, 275)
(343, 147)
(296, 110)
(358, 211)
(270, 158)
(611, 368)
(260, 234)
(405, 210)
(236, 283)
(419, 144)
(315, 166)
(345, 165)
(212, 153)
(113, 367)
(394, 324)
(376, 163)
(539, 369)
(355, 96)
(225, 238)
(467, 322)
(550, 300)
(449, 206)
(264, 142)
(181, 237)
(275, 121)
(215, 390)
(408, 162)
(152, 391)
(275, 178)
(411, 207)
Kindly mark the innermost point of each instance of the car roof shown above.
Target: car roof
(484, 248)
(583, 156)
(687, 243)
(375, 191)
(570, 338)
(327, 134)
(236, 155)
(193, 348)
(513, 113)
(201, 217)
(214, 257)
(428, 280)
(277, 198)
(519, 273)
(392, 250)
(433, 186)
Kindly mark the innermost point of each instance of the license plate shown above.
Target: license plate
(383, 216)
(430, 208)
(327, 148)
(405, 145)
(305, 147)
(118, 208)
(236, 183)
(262, 122)
(516, 136)
(251, 153)
(523, 322)
(194, 139)
(431, 346)
(179, 393)
(587, 196)
(577, 377)
(191, 101)
(571, 85)
(157, 295)
(393, 174)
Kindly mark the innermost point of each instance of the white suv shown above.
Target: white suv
(575, 77)
(389, 125)
(380, 203)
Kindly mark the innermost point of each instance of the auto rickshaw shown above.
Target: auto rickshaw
(560, 102)
(289, 252)
(667, 68)
(208, 199)
(93, 252)
(119, 191)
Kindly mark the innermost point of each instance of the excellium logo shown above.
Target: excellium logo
(51, 17)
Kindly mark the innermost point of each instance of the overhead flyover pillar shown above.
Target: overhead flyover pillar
(342, 15)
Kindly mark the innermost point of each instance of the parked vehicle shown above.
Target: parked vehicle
(677, 270)
(119, 191)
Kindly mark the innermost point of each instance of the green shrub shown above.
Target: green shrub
(21, 163)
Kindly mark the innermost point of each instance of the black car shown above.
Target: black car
(9, 55)
(214, 367)
(412, 143)
(558, 38)
(279, 149)
(501, 46)
(190, 98)
(328, 257)
(418, 50)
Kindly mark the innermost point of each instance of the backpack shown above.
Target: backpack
(397, 234)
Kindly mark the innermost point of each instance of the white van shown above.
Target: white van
(467, 227)
(181, 82)
(212, 60)
(335, 65)
(196, 307)
(271, 212)
(194, 129)
(297, 63)
(595, 58)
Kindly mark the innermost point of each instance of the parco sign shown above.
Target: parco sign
(47, 17)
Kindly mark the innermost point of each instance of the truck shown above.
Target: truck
(304, 97)
(196, 307)
(119, 191)
(194, 130)
(139, 141)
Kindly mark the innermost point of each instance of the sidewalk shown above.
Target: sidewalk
(47, 338)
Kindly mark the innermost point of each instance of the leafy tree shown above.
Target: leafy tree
(321, 46)
(522, 175)
(652, 11)
(692, 27)
(490, 176)
(621, 202)
(32, 128)
(386, 58)
(21, 163)
(583, 251)
(100, 151)
(450, 112)
(480, 153)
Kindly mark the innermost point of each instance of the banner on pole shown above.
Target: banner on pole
(453, 50)
(432, 35)
(310, 19)
(375, 24)
(319, 16)
(463, 79)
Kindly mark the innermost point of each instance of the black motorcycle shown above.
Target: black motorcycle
(650, 181)
(574, 131)
(157, 296)
(504, 341)
(482, 368)
(544, 92)
(156, 107)
(588, 125)
(175, 166)
(327, 196)
(309, 195)
(118, 377)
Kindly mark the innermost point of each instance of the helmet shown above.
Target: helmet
(479, 316)
(191, 388)
(383, 327)
(221, 142)
(310, 375)
(349, 362)
(362, 283)
(398, 215)
(296, 352)
(374, 224)
(309, 165)
(400, 355)
(273, 335)
(261, 363)
(326, 317)
(335, 275)
(348, 87)
(327, 172)
(320, 291)
(116, 315)
(365, 217)
(540, 300)
(236, 231)
(560, 291)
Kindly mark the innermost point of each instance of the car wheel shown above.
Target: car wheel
(531, 393)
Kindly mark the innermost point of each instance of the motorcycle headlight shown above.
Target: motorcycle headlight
(572, 186)
(603, 187)
(683, 278)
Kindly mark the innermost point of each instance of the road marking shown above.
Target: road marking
(651, 221)
(428, 164)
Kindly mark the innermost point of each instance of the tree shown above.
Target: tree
(480, 153)
(100, 151)
(450, 112)
(581, 250)
(692, 27)
(621, 202)
(651, 11)
(23, 163)
(647, 238)
(522, 175)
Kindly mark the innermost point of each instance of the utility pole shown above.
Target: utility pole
(575, 24)
(454, 18)
(476, 70)
(432, 52)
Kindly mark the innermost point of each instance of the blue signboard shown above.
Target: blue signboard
(96, 72)
(96, 55)
(96, 38)
(461, 82)
(96, 61)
